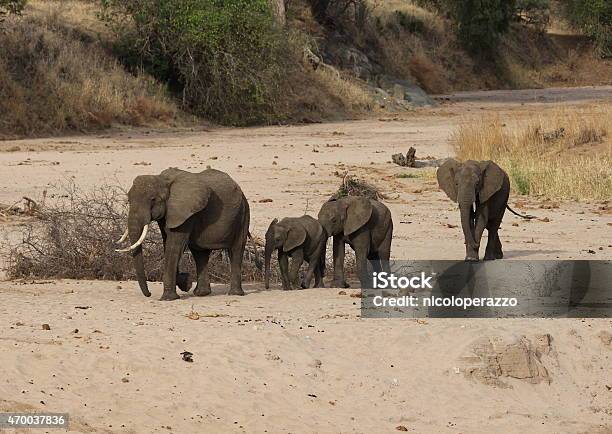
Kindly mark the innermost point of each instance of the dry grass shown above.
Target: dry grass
(566, 154)
(56, 76)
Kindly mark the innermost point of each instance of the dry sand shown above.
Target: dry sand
(300, 361)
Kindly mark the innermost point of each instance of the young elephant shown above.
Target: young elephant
(301, 238)
(364, 224)
(481, 188)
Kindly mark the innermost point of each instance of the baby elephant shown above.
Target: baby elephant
(365, 225)
(301, 238)
(481, 188)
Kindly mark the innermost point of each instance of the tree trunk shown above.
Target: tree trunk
(278, 11)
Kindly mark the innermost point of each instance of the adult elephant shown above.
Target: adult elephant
(364, 224)
(203, 211)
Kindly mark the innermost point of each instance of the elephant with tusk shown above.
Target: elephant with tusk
(201, 211)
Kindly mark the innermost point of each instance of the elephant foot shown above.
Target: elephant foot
(201, 292)
(342, 284)
(471, 259)
(489, 257)
(169, 296)
(499, 255)
(184, 281)
(235, 291)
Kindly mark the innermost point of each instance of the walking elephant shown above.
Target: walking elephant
(365, 225)
(203, 211)
(298, 238)
(482, 189)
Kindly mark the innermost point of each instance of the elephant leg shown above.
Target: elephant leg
(493, 250)
(236, 254)
(175, 246)
(384, 251)
(481, 223)
(297, 259)
(283, 263)
(339, 281)
(375, 261)
(499, 253)
(313, 270)
(318, 273)
(201, 260)
(361, 245)
(183, 280)
(490, 250)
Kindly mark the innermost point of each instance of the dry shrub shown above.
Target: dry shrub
(73, 236)
(354, 97)
(55, 77)
(428, 73)
(416, 44)
(563, 155)
(352, 186)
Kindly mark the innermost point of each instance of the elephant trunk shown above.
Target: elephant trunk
(267, 257)
(135, 229)
(466, 201)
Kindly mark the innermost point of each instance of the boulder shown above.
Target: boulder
(490, 359)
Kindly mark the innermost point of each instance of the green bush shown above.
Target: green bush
(225, 58)
(593, 18)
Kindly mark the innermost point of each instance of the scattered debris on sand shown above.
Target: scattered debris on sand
(410, 160)
(187, 356)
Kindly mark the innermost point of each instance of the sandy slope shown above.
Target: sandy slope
(300, 361)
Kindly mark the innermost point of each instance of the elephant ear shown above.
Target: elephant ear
(358, 213)
(171, 173)
(188, 195)
(492, 180)
(296, 235)
(446, 178)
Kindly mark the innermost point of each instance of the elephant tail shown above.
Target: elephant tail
(258, 263)
(528, 217)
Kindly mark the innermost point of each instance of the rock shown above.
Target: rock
(46, 327)
(492, 359)
(404, 91)
(351, 59)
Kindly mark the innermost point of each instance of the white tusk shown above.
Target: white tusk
(137, 243)
(123, 237)
(474, 207)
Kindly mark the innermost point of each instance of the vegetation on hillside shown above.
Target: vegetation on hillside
(55, 78)
(82, 65)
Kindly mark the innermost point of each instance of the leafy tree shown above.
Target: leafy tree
(480, 23)
(223, 56)
(594, 18)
